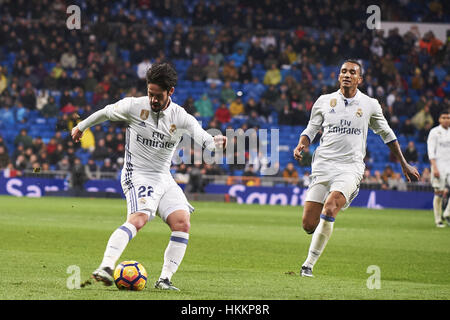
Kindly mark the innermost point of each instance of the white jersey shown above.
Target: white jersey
(343, 142)
(438, 145)
(152, 137)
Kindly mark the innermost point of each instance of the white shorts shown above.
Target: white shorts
(345, 182)
(153, 194)
(439, 183)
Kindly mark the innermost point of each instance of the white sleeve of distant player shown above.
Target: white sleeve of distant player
(118, 111)
(199, 135)
(431, 145)
(380, 126)
(315, 121)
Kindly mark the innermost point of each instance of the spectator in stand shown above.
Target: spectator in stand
(78, 176)
(417, 82)
(204, 106)
(108, 167)
(254, 120)
(237, 108)
(387, 174)
(430, 43)
(4, 158)
(101, 151)
(24, 139)
(91, 170)
(230, 72)
(88, 141)
(271, 95)
(212, 73)
(245, 74)
(425, 177)
(195, 71)
(188, 105)
(22, 114)
(250, 176)
(285, 116)
(238, 57)
(196, 182)
(408, 129)
(396, 182)
(423, 121)
(7, 117)
(410, 153)
(272, 76)
(50, 109)
(216, 56)
(227, 93)
(28, 96)
(290, 174)
(223, 114)
(213, 92)
(68, 60)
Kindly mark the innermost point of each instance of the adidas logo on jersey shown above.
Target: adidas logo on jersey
(332, 111)
(142, 124)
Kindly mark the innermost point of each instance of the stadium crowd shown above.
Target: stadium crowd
(285, 55)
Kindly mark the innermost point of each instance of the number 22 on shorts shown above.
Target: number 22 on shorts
(145, 191)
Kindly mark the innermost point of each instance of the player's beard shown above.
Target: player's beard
(159, 107)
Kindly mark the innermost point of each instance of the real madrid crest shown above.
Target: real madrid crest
(359, 113)
(144, 114)
(333, 102)
(173, 128)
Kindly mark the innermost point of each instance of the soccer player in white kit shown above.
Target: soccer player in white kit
(338, 166)
(155, 127)
(438, 144)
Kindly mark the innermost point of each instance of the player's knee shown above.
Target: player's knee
(309, 227)
(182, 225)
(330, 209)
(138, 220)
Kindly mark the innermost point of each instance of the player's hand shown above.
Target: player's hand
(436, 173)
(298, 152)
(76, 134)
(411, 173)
(220, 141)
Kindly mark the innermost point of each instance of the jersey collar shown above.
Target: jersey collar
(354, 99)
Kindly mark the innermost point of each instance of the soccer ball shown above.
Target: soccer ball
(130, 275)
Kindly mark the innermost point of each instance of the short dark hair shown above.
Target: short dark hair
(162, 74)
(444, 111)
(357, 63)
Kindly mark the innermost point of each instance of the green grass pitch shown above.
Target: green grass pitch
(245, 252)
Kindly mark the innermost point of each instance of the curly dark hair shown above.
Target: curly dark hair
(162, 74)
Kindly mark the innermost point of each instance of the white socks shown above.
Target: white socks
(319, 240)
(437, 209)
(174, 253)
(447, 210)
(117, 244)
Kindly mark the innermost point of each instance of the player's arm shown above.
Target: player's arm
(409, 171)
(118, 111)
(203, 138)
(380, 126)
(308, 135)
(431, 148)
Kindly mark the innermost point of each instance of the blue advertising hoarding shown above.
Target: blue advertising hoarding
(289, 195)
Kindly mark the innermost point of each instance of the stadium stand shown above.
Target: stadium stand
(41, 58)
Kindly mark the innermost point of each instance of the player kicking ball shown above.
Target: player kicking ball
(338, 166)
(155, 127)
